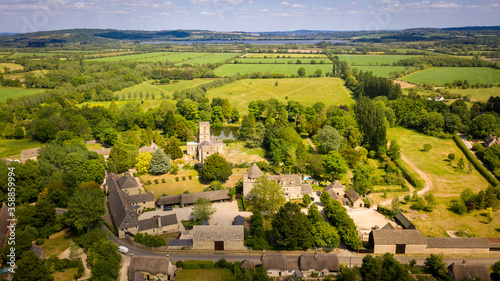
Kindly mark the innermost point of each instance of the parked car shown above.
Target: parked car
(167, 208)
(318, 193)
(123, 249)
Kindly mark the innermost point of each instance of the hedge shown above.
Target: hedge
(472, 158)
(196, 264)
(409, 175)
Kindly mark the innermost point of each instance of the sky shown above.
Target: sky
(244, 15)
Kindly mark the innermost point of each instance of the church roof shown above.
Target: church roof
(254, 171)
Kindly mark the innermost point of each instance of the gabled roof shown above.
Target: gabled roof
(247, 264)
(489, 138)
(254, 171)
(151, 264)
(180, 242)
(393, 237)
(153, 222)
(210, 233)
(335, 184)
(122, 212)
(151, 148)
(332, 194)
(464, 271)
(319, 262)
(404, 221)
(457, 242)
(239, 220)
(352, 195)
(169, 200)
(388, 226)
(127, 181)
(306, 188)
(136, 276)
(37, 250)
(273, 261)
(144, 197)
(214, 195)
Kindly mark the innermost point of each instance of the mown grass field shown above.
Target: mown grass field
(382, 71)
(354, 60)
(14, 93)
(448, 183)
(307, 91)
(10, 66)
(132, 57)
(14, 147)
(284, 60)
(265, 55)
(287, 69)
(441, 75)
(174, 57)
(215, 274)
(167, 89)
(66, 275)
(482, 94)
(211, 58)
(31, 55)
(57, 243)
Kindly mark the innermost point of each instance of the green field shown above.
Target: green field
(10, 66)
(285, 60)
(147, 87)
(482, 94)
(382, 71)
(355, 60)
(14, 93)
(304, 90)
(215, 274)
(264, 55)
(441, 75)
(175, 57)
(287, 69)
(19, 55)
(447, 182)
(133, 57)
(211, 58)
(13, 148)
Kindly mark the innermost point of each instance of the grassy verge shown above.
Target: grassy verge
(215, 274)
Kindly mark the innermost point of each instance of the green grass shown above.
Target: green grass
(448, 183)
(172, 187)
(441, 75)
(10, 66)
(287, 69)
(482, 94)
(262, 55)
(355, 60)
(284, 60)
(304, 90)
(133, 57)
(168, 89)
(66, 275)
(13, 148)
(382, 71)
(31, 55)
(14, 93)
(211, 58)
(175, 57)
(57, 245)
(216, 274)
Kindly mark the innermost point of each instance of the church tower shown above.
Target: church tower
(204, 132)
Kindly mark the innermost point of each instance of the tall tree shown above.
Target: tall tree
(203, 209)
(85, 209)
(143, 160)
(371, 120)
(328, 139)
(172, 148)
(160, 163)
(335, 164)
(215, 167)
(394, 151)
(32, 268)
(267, 195)
(292, 228)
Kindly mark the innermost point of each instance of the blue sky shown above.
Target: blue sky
(244, 15)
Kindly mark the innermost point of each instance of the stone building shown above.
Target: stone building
(405, 241)
(458, 245)
(29, 154)
(151, 268)
(292, 184)
(218, 237)
(465, 271)
(206, 145)
(354, 198)
(277, 265)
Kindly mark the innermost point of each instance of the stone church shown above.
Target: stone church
(206, 145)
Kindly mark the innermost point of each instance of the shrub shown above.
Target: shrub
(183, 178)
(190, 177)
(427, 147)
(191, 264)
(178, 264)
(457, 206)
(176, 178)
(157, 181)
(451, 156)
(40, 241)
(163, 180)
(208, 264)
(409, 175)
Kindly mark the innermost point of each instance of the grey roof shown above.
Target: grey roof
(335, 184)
(352, 195)
(306, 189)
(332, 194)
(37, 250)
(404, 221)
(209, 233)
(151, 148)
(392, 237)
(214, 195)
(247, 264)
(153, 222)
(127, 181)
(457, 242)
(292, 264)
(29, 153)
(254, 171)
(239, 220)
(169, 200)
(180, 242)
(273, 261)
(122, 212)
(144, 197)
(464, 271)
(151, 264)
(489, 138)
(388, 226)
(285, 180)
(319, 262)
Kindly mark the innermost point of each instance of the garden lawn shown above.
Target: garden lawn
(66, 275)
(14, 93)
(482, 94)
(211, 58)
(13, 148)
(57, 245)
(382, 71)
(441, 75)
(448, 183)
(307, 91)
(215, 274)
(286, 69)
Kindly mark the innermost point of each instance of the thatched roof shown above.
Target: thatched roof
(393, 237)
(209, 233)
(254, 172)
(352, 195)
(151, 264)
(136, 276)
(273, 261)
(169, 200)
(247, 264)
(457, 242)
(464, 271)
(319, 262)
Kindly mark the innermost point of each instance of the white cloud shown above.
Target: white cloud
(205, 13)
(297, 6)
(263, 10)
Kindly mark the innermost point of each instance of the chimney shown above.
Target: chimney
(159, 221)
(315, 253)
(132, 254)
(263, 252)
(125, 205)
(333, 178)
(168, 257)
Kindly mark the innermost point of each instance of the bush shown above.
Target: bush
(451, 156)
(208, 264)
(163, 180)
(40, 241)
(457, 206)
(191, 264)
(157, 181)
(409, 176)
(482, 170)
(222, 263)
(427, 147)
(176, 178)
(190, 177)
(183, 178)
(178, 264)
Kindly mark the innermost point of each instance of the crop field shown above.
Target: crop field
(382, 71)
(304, 90)
(441, 75)
(284, 60)
(14, 93)
(175, 57)
(354, 60)
(287, 69)
(30, 55)
(447, 182)
(133, 57)
(10, 66)
(211, 58)
(482, 94)
(264, 55)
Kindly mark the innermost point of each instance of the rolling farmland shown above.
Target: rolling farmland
(284, 60)
(287, 69)
(441, 75)
(382, 71)
(14, 93)
(211, 58)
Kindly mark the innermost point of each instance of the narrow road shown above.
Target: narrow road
(427, 185)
